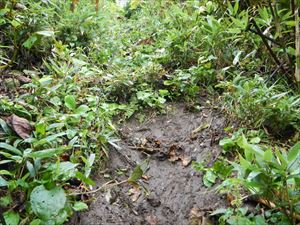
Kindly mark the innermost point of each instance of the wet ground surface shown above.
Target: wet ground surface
(171, 191)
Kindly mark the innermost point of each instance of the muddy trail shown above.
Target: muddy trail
(172, 192)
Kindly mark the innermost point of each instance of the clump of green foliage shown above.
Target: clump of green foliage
(259, 104)
(270, 175)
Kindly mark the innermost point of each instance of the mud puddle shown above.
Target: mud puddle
(172, 192)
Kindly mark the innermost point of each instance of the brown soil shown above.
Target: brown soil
(173, 192)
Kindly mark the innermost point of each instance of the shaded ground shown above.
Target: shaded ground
(176, 194)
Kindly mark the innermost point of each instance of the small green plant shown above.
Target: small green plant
(270, 175)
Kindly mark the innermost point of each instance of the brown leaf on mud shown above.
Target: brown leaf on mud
(151, 220)
(146, 178)
(135, 193)
(157, 143)
(197, 217)
(172, 153)
(175, 155)
(20, 125)
(186, 160)
(144, 142)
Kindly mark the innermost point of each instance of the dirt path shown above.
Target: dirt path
(176, 193)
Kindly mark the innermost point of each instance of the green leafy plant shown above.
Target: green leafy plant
(263, 106)
(268, 174)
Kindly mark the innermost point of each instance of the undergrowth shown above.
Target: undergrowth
(86, 68)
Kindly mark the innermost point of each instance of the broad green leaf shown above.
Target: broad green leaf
(81, 110)
(6, 201)
(15, 23)
(209, 178)
(294, 152)
(55, 101)
(291, 23)
(47, 204)
(70, 102)
(237, 58)
(6, 172)
(88, 164)
(84, 179)
(281, 159)
(244, 163)
(46, 33)
(260, 220)
(11, 218)
(255, 140)
(67, 170)
(164, 92)
(4, 11)
(219, 211)
(36, 222)
(5, 161)
(10, 148)
(47, 152)
(40, 128)
(30, 41)
(136, 174)
(31, 169)
(227, 143)
(78, 206)
(49, 139)
(249, 149)
(45, 80)
(3, 182)
(268, 155)
(243, 143)
(5, 127)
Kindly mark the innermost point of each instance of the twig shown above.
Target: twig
(297, 44)
(274, 72)
(267, 37)
(144, 148)
(267, 45)
(2, 220)
(273, 206)
(106, 185)
(124, 157)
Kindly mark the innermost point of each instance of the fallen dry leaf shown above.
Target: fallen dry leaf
(157, 143)
(230, 199)
(145, 177)
(23, 79)
(151, 220)
(172, 153)
(197, 217)
(186, 160)
(135, 193)
(20, 125)
(175, 153)
(144, 142)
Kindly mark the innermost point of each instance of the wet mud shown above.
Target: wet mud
(170, 192)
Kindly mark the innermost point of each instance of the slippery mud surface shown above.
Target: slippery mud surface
(173, 192)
